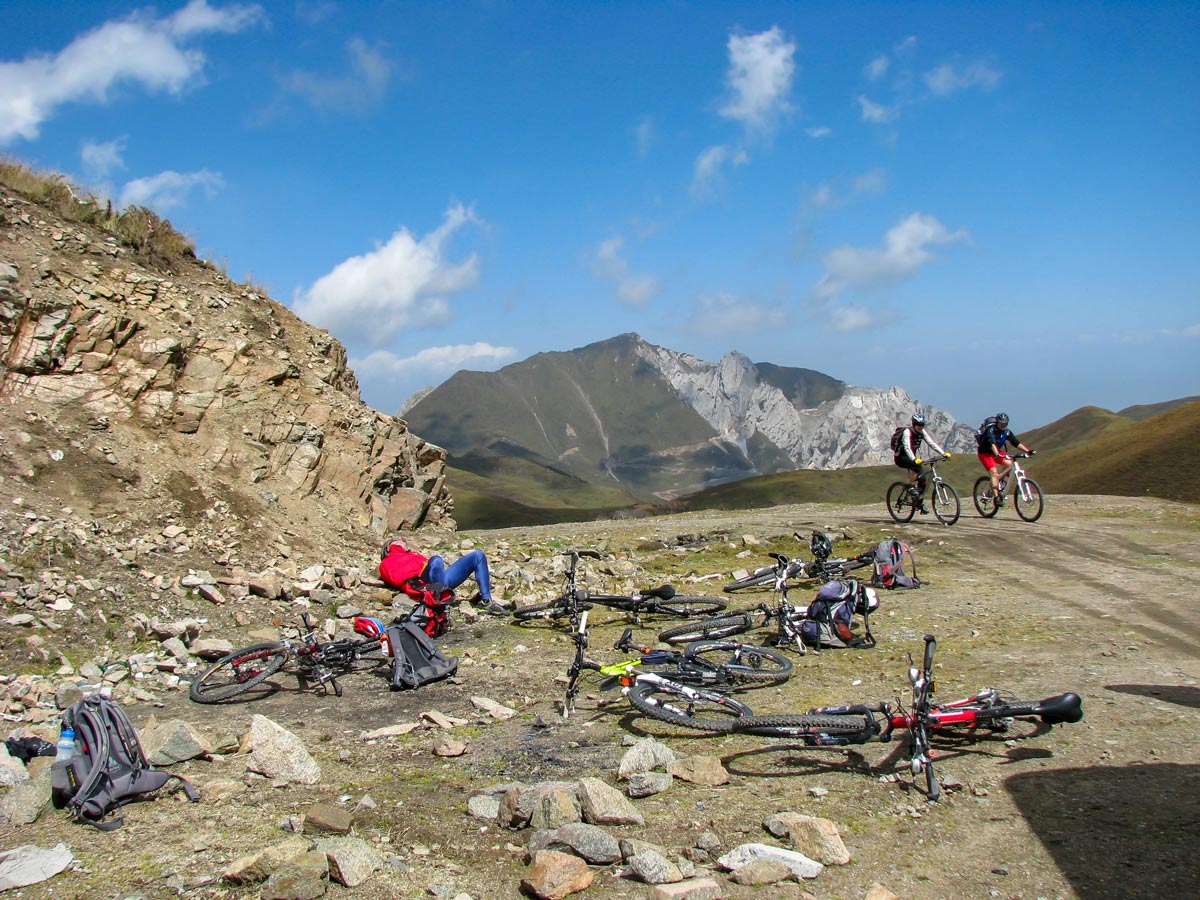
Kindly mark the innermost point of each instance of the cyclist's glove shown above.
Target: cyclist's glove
(917, 460)
(948, 455)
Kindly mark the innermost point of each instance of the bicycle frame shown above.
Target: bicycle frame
(880, 721)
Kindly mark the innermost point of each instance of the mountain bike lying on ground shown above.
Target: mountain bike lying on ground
(316, 663)
(1027, 496)
(672, 685)
(840, 726)
(797, 627)
(662, 600)
(904, 499)
(820, 568)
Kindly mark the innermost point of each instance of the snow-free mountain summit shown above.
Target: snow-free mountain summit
(660, 424)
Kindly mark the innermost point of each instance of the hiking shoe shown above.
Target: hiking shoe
(999, 502)
(493, 608)
(921, 507)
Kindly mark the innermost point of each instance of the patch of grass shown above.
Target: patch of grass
(153, 239)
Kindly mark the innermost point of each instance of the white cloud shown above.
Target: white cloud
(876, 113)
(643, 136)
(138, 50)
(819, 131)
(101, 159)
(432, 361)
(877, 68)
(404, 284)
(710, 165)
(904, 250)
(948, 79)
(364, 85)
(726, 313)
(608, 265)
(760, 73)
(168, 189)
(852, 317)
(841, 191)
(1192, 331)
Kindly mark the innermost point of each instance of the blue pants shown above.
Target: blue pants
(473, 563)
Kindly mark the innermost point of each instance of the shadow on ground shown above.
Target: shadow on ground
(1179, 694)
(1130, 832)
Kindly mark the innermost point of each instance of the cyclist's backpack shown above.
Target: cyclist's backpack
(110, 768)
(415, 659)
(889, 565)
(897, 439)
(982, 430)
(829, 621)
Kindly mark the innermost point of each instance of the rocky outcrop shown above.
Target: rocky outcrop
(850, 430)
(222, 381)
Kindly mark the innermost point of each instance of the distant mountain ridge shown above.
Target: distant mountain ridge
(657, 423)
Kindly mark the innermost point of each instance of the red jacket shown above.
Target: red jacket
(400, 565)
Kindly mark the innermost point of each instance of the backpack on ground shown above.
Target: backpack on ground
(416, 661)
(897, 439)
(982, 430)
(432, 609)
(829, 621)
(110, 768)
(889, 565)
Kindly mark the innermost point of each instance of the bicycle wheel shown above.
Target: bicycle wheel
(808, 725)
(900, 503)
(706, 629)
(760, 579)
(688, 607)
(742, 663)
(985, 502)
(1028, 500)
(238, 671)
(946, 505)
(555, 609)
(690, 708)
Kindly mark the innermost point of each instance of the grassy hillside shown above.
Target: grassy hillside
(1083, 425)
(864, 484)
(1156, 457)
(498, 491)
(1147, 410)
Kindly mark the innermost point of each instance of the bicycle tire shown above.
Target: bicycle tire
(667, 703)
(555, 609)
(207, 688)
(746, 663)
(946, 505)
(801, 725)
(688, 607)
(1032, 509)
(984, 503)
(757, 580)
(899, 502)
(708, 629)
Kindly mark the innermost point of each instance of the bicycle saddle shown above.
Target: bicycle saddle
(1063, 708)
(662, 592)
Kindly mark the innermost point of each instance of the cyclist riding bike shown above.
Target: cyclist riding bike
(992, 437)
(908, 456)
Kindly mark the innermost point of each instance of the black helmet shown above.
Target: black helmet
(1001, 418)
(918, 419)
(821, 545)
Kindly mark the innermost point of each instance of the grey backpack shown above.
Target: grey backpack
(415, 658)
(110, 768)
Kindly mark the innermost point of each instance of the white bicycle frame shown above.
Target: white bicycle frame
(1015, 476)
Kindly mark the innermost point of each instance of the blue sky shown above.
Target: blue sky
(994, 205)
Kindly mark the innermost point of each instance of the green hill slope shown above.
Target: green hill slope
(1155, 457)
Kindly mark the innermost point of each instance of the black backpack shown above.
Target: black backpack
(982, 430)
(110, 768)
(415, 659)
(897, 438)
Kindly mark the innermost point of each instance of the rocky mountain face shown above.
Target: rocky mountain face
(664, 423)
(187, 388)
